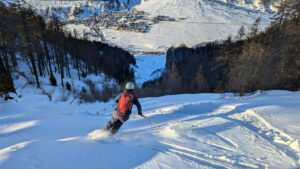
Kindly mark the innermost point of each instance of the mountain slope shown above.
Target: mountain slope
(196, 131)
(195, 22)
(186, 21)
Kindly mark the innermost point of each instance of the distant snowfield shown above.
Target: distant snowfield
(197, 21)
(149, 67)
(193, 131)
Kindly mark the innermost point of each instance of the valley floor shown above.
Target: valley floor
(194, 131)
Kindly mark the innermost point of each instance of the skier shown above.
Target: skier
(122, 112)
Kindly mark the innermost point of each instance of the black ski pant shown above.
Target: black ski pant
(114, 124)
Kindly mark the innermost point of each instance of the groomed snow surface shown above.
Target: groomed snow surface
(191, 131)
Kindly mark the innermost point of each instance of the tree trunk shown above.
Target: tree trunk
(48, 57)
(30, 53)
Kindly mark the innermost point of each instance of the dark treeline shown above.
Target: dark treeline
(264, 61)
(46, 49)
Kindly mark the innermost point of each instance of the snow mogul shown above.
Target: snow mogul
(122, 112)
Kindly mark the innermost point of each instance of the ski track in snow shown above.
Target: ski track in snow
(194, 131)
(278, 137)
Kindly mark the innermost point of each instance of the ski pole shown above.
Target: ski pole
(154, 124)
(75, 97)
(104, 109)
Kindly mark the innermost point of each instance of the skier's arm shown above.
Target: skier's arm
(138, 105)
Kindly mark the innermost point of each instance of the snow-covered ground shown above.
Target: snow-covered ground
(192, 131)
(149, 67)
(197, 21)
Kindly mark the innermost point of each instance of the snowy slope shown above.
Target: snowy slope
(89, 7)
(193, 22)
(196, 131)
(197, 21)
(149, 67)
(262, 5)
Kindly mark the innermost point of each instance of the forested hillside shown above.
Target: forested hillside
(264, 61)
(45, 48)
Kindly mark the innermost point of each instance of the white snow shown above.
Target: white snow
(5, 152)
(197, 21)
(57, 93)
(149, 67)
(10, 128)
(190, 131)
(97, 135)
(186, 131)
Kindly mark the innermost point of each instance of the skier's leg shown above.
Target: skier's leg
(116, 127)
(110, 123)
